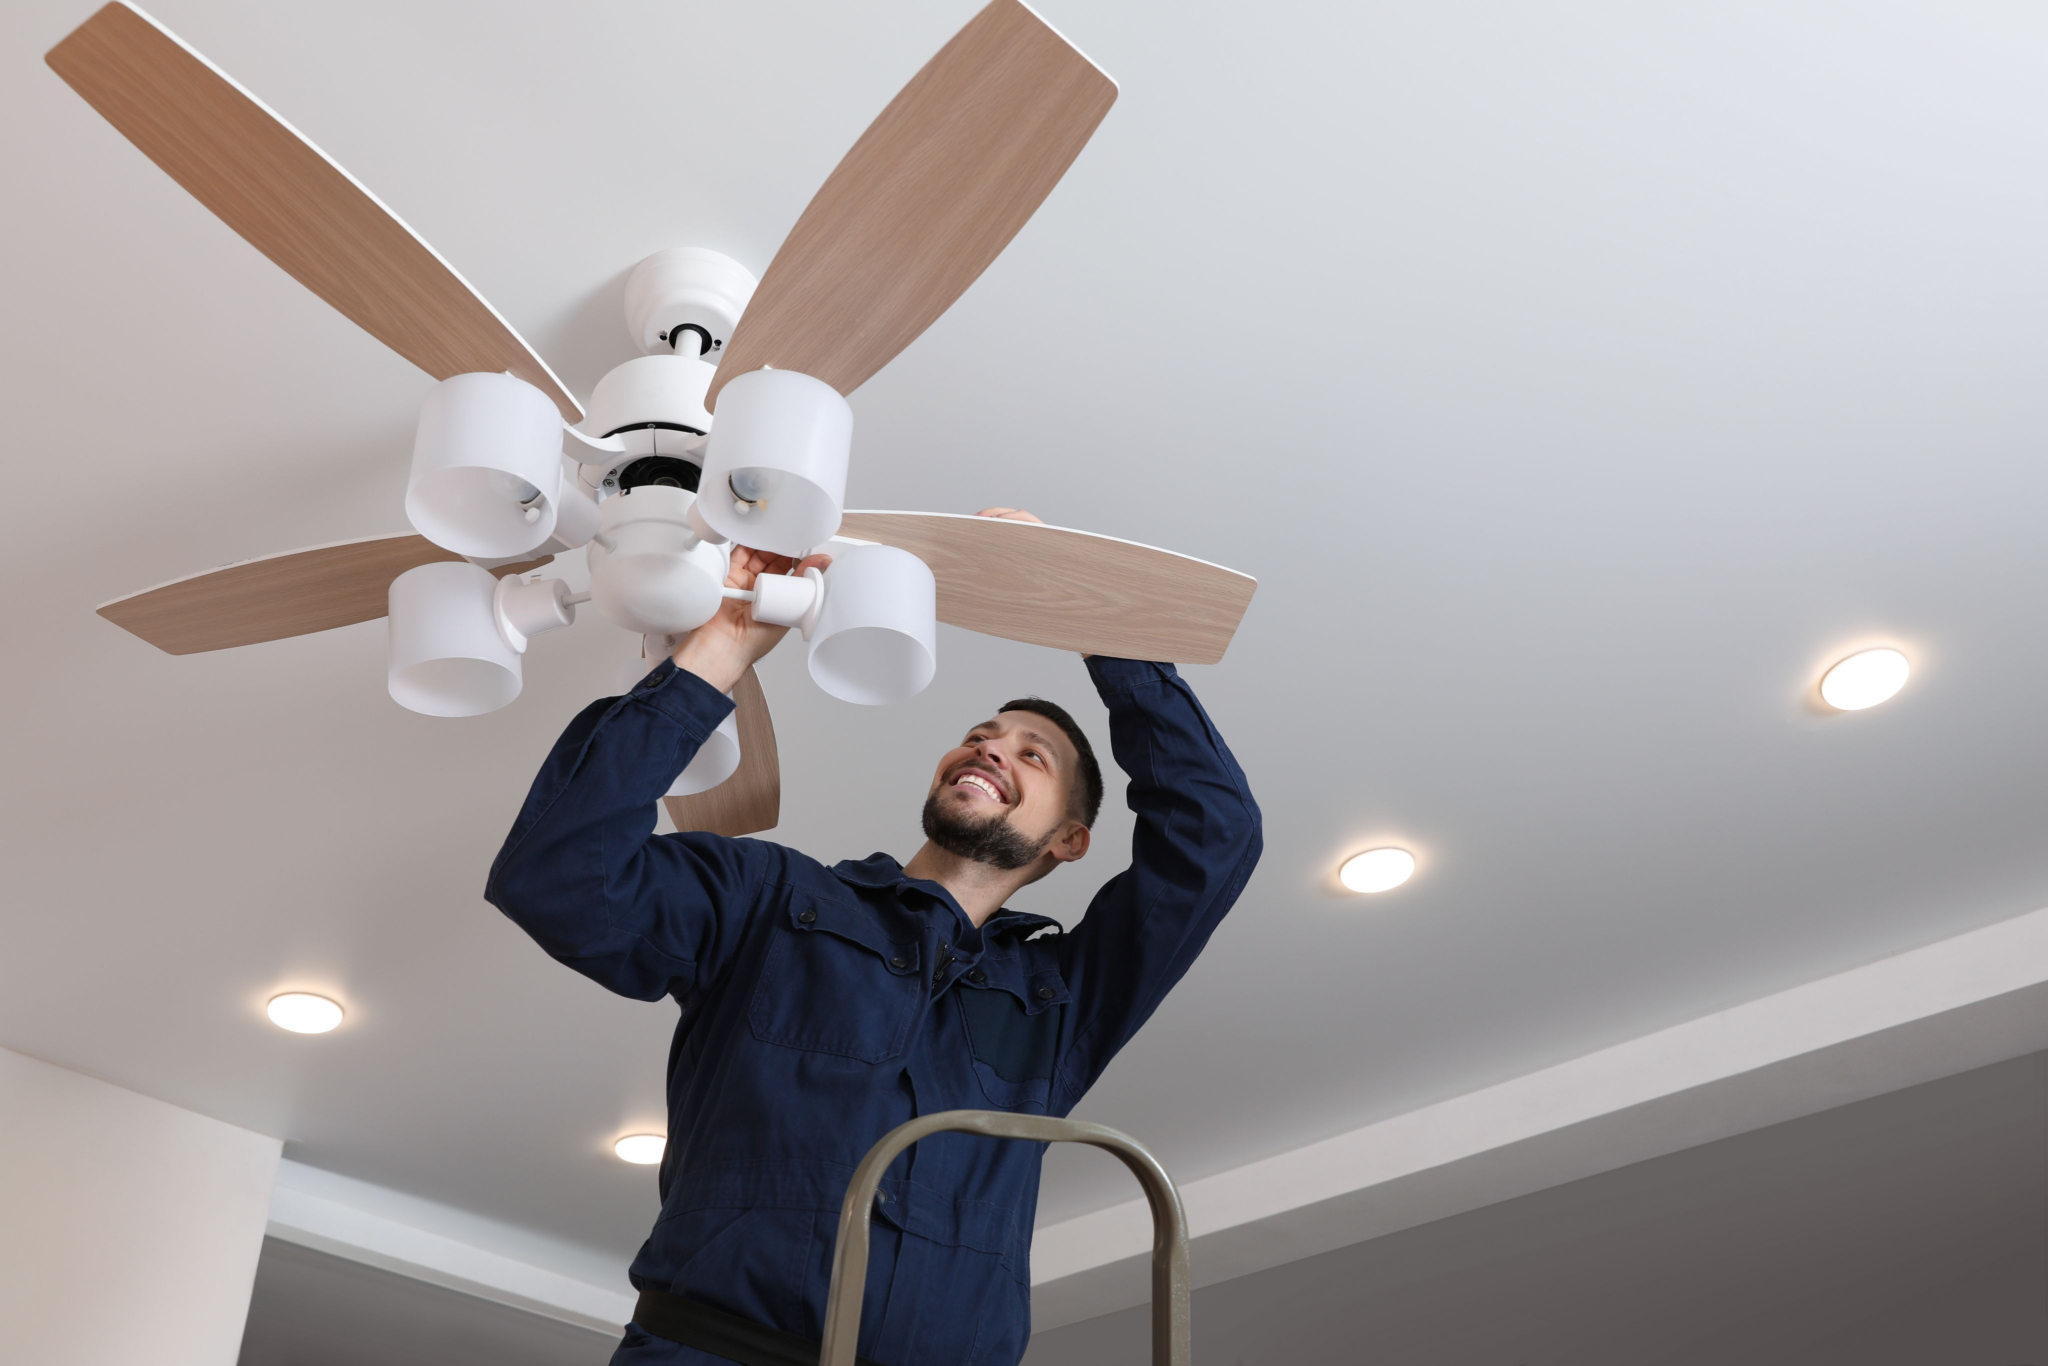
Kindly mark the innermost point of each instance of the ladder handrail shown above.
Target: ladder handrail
(1169, 1222)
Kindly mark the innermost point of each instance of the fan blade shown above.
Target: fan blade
(751, 799)
(289, 200)
(933, 191)
(293, 594)
(1066, 589)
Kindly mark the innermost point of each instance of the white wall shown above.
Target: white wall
(129, 1229)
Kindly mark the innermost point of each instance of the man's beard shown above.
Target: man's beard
(991, 840)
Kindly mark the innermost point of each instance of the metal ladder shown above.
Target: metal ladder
(1169, 1222)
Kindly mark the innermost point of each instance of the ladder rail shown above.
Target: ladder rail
(1170, 1317)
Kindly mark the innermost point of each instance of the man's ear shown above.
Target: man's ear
(1070, 844)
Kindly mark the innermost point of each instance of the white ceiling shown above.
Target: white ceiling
(1577, 380)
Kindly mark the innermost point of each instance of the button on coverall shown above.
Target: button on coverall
(823, 1006)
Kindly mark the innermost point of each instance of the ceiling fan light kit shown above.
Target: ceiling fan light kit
(650, 572)
(928, 196)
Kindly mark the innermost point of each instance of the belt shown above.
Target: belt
(725, 1335)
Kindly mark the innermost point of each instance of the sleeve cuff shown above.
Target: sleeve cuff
(1115, 677)
(683, 697)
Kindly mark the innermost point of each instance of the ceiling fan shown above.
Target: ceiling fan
(509, 470)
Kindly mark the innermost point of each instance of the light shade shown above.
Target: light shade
(1377, 870)
(649, 571)
(775, 466)
(717, 759)
(642, 1150)
(1864, 679)
(303, 1013)
(448, 657)
(876, 640)
(486, 467)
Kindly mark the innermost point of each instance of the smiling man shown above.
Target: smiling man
(821, 1006)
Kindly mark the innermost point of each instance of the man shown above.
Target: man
(823, 1006)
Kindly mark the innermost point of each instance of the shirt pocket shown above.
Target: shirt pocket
(836, 982)
(1015, 1038)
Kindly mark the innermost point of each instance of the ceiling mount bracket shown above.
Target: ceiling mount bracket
(686, 289)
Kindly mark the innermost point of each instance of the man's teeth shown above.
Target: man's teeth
(979, 782)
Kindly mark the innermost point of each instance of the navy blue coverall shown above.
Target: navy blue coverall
(821, 1007)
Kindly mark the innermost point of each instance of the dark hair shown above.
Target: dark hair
(1087, 790)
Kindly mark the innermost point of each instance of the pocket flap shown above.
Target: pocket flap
(1043, 990)
(856, 924)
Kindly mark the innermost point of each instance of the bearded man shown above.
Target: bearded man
(823, 1006)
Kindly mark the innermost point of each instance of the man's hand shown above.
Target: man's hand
(725, 647)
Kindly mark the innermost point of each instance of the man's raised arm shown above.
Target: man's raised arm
(584, 873)
(1197, 840)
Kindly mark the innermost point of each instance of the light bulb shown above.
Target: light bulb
(1864, 679)
(642, 1150)
(1377, 870)
(304, 1013)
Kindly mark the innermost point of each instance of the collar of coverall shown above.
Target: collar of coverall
(880, 872)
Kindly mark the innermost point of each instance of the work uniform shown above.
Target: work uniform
(823, 1006)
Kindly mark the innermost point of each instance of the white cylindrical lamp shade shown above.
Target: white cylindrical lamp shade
(486, 467)
(876, 640)
(448, 657)
(716, 760)
(775, 465)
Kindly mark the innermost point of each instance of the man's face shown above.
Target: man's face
(1003, 795)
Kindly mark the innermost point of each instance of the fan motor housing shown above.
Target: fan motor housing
(654, 405)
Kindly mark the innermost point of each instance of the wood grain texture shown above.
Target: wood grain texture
(751, 799)
(289, 200)
(1067, 589)
(293, 594)
(933, 191)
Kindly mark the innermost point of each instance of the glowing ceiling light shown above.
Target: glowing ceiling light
(304, 1013)
(1864, 679)
(642, 1150)
(1377, 870)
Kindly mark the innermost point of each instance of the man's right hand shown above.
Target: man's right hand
(725, 647)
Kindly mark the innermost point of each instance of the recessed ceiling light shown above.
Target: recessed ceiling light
(1864, 680)
(304, 1013)
(1377, 870)
(642, 1150)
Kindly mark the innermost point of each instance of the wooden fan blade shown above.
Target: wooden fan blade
(751, 799)
(1066, 589)
(289, 200)
(293, 594)
(933, 191)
